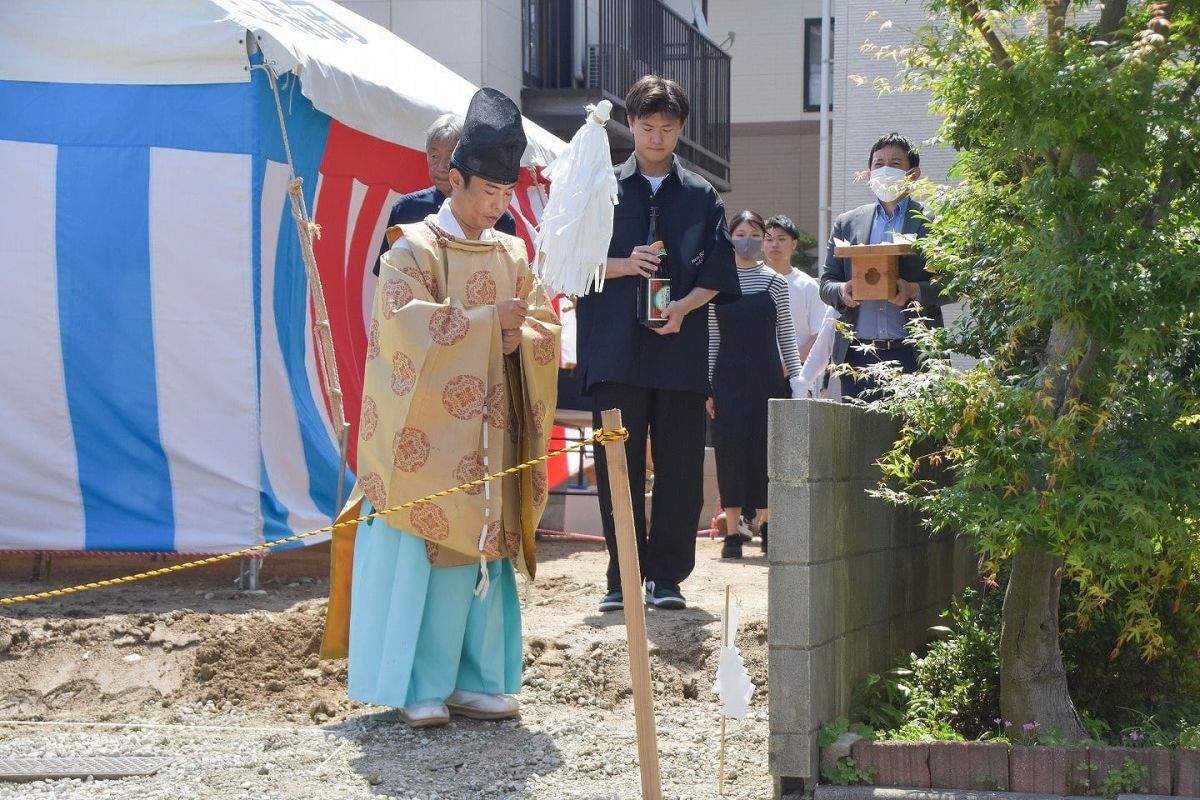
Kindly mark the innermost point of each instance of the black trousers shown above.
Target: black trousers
(866, 389)
(675, 423)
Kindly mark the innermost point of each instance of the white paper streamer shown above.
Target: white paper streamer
(577, 222)
(733, 684)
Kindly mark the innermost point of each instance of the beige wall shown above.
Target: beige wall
(775, 171)
(478, 39)
(773, 139)
(768, 56)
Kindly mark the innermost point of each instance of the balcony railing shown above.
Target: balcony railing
(607, 45)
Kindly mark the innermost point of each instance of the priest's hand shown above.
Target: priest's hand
(512, 313)
(708, 406)
(510, 339)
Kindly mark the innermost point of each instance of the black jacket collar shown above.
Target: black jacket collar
(630, 168)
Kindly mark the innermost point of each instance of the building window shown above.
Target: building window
(812, 64)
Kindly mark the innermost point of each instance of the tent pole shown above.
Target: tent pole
(341, 483)
(247, 579)
(305, 228)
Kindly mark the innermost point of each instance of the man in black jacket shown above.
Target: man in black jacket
(657, 377)
(879, 325)
(440, 141)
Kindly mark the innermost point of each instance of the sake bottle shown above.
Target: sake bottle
(654, 293)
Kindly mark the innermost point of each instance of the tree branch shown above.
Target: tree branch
(1000, 56)
(1056, 23)
(1168, 178)
(1111, 17)
(1079, 375)
(1065, 338)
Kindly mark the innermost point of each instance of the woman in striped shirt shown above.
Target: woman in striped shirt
(750, 342)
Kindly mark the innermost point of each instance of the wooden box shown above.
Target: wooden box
(874, 268)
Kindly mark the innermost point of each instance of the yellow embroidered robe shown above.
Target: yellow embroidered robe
(442, 405)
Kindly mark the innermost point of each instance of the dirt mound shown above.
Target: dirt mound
(266, 659)
(139, 665)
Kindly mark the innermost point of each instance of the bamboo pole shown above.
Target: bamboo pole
(635, 613)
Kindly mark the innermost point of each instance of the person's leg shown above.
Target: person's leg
(728, 444)
(734, 524)
(408, 624)
(858, 387)
(633, 402)
(439, 647)
(907, 356)
(677, 431)
(867, 389)
(491, 648)
(489, 673)
(388, 596)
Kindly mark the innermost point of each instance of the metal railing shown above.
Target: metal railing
(548, 55)
(609, 44)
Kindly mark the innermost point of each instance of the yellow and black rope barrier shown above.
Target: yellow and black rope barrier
(601, 436)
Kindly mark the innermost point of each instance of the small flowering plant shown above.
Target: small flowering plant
(1030, 733)
(1026, 734)
(1003, 731)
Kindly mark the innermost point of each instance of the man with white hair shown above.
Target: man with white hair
(440, 140)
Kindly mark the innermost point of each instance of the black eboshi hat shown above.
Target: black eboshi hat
(493, 139)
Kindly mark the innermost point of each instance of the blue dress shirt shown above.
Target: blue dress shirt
(880, 319)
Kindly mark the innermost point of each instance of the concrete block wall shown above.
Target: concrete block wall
(854, 582)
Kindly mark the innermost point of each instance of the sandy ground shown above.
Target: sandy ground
(229, 683)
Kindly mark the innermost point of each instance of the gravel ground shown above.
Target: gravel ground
(228, 684)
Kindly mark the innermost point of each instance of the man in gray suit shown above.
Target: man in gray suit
(879, 324)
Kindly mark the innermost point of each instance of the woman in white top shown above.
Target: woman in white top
(746, 340)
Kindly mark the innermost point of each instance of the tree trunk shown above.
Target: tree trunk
(1033, 682)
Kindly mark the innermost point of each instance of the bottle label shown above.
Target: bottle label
(660, 297)
(654, 296)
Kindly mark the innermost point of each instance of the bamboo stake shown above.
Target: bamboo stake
(635, 613)
(724, 643)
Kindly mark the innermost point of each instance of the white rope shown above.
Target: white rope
(287, 147)
(304, 228)
(485, 579)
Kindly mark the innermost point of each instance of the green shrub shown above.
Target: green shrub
(1150, 703)
(802, 258)
(1129, 779)
(830, 731)
(1189, 737)
(880, 700)
(848, 773)
(953, 690)
(956, 684)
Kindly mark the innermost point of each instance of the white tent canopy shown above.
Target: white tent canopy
(351, 69)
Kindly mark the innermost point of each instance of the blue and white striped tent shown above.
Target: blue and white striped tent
(160, 386)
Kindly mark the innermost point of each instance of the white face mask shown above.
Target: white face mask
(888, 183)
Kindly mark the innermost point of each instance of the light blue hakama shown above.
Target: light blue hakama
(419, 633)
